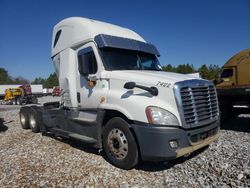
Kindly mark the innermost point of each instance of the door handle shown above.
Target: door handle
(78, 97)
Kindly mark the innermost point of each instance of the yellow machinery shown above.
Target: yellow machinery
(20, 95)
(12, 94)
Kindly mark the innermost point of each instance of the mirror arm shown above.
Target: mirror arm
(131, 85)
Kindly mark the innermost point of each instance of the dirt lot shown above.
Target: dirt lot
(33, 160)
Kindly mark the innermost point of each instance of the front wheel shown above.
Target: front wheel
(119, 144)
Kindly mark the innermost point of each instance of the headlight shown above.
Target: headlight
(160, 116)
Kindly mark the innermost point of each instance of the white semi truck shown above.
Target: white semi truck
(116, 97)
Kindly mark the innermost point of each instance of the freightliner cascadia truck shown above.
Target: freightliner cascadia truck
(115, 97)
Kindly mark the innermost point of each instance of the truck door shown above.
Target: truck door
(89, 87)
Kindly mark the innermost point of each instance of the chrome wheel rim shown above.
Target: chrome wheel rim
(117, 144)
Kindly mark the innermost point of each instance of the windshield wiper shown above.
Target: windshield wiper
(154, 69)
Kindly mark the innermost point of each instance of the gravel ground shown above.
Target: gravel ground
(32, 160)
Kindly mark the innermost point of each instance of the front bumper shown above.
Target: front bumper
(154, 141)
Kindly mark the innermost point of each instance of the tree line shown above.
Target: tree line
(5, 78)
(210, 72)
(49, 82)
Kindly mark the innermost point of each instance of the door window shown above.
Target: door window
(87, 62)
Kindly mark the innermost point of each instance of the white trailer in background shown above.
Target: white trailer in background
(37, 89)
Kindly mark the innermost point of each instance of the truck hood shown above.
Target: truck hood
(150, 77)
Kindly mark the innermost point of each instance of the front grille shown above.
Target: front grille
(197, 101)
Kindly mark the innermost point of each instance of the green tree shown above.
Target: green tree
(210, 72)
(51, 81)
(185, 68)
(203, 70)
(168, 68)
(4, 77)
(214, 72)
(38, 80)
(182, 68)
(20, 80)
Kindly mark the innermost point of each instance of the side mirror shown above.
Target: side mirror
(132, 85)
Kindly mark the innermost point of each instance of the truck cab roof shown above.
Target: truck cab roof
(238, 58)
(74, 31)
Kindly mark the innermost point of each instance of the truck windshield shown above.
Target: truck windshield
(120, 59)
(226, 73)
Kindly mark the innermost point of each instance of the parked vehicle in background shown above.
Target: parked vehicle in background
(20, 95)
(115, 96)
(37, 89)
(12, 95)
(234, 86)
(56, 91)
(47, 91)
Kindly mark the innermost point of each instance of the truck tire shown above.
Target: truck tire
(15, 101)
(119, 144)
(18, 101)
(10, 102)
(34, 121)
(34, 100)
(24, 117)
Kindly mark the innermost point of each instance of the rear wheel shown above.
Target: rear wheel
(15, 101)
(119, 144)
(18, 101)
(34, 121)
(24, 117)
